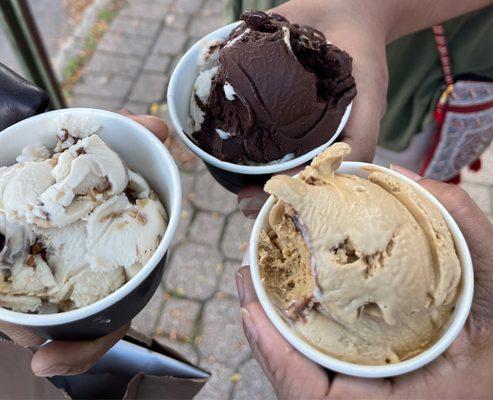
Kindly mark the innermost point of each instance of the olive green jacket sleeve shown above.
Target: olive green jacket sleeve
(415, 74)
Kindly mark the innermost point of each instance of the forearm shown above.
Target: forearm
(386, 20)
(406, 16)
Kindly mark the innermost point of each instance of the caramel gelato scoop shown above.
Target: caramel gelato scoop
(364, 269)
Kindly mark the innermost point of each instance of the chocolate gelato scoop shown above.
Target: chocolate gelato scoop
(273, 90)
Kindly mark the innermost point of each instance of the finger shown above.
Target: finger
(154, 124)
(250, 200)
(362, 129)
(287, 369)
(72, 358)
(20, 335)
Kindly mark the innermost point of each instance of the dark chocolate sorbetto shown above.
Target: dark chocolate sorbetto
(291, 89)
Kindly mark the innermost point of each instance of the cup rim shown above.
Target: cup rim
(175, 86)
(456, 323)
(173, 211)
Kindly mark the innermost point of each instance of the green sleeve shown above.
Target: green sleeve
(415, 75)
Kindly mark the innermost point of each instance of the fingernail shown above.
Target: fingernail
(250, 328)
(53, 370)
(406, 172)
(240, 286)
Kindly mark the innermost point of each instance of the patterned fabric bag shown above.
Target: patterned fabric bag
(464, 123)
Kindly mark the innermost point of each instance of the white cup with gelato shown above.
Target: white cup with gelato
(90, 202)
(186, 115)
(370, 276)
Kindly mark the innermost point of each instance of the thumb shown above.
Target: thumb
(288, 371)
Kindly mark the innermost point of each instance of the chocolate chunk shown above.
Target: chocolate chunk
(131, 195)
(104, 186)
(38, 248)
(80, 151)
(64, 135)
(3, 241)
(7, 274)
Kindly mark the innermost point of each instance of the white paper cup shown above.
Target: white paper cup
(232, 176)
(456, 322)
(143, 153)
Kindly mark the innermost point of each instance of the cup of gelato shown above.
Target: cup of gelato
(360, 268)
(89, 203)
(259, 97)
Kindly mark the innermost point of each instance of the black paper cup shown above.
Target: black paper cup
(142, 152)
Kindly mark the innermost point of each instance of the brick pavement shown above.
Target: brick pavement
(196, 309)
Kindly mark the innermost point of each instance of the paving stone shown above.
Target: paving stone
(219, 385)
(253, 384)
(178, 318)
(109, 63)
(187, 182)
(210, 196)
(131, 45)
(186, 350)
(150, 87)
(207, 228)
(214, 6)
(187, 7)
(194, 270)
(170, 41)
(157, 63)
(136, 107)
(147, 319)
(204, 24)
(238, 230)
(177, 21)
(146, 9)
(112, 86)
(175, 62)
(186, 216)
(222, 335)
(81, 100)
(485, 174)
(187, 211)
(481, 194)
(124, 24)
(228, 280)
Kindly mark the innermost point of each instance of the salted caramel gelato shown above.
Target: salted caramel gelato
(364, 269)
(75, 222)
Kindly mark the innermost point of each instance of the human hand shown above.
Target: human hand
(362, 35)
(463, 371)
(76, 357)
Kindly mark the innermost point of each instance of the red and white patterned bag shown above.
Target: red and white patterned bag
(464, 117)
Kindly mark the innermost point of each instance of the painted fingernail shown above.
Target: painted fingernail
(240, 286)
(250, 328)
(53, 370)
(406, 172)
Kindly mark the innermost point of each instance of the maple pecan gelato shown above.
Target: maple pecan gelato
(364, 269)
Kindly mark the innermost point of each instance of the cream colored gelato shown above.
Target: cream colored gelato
(75, 224)
(364, 269)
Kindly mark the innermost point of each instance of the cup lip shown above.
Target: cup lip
(173, 211)
(460, 315)
(175, 86)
